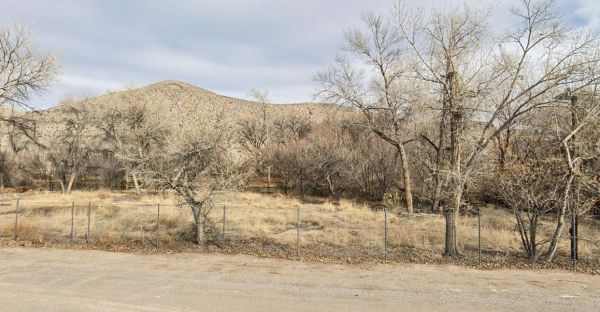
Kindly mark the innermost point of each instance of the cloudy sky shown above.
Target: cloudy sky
(228, 46)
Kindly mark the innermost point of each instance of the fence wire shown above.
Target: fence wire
(303, 231)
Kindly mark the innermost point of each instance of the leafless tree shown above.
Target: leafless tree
(532, 186)
(123, 121)
(255, 131)
(583, 117)
(25, 70)
(181, 158)
(330, 156)
(69, 142)
(291, 128)
(482, 81)
(378, 93)
(550, 170)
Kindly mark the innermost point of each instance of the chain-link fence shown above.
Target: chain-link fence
(300, 232)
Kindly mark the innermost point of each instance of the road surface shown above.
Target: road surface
(76, 280)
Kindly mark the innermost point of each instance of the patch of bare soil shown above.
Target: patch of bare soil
(36, 279)
(323, 253)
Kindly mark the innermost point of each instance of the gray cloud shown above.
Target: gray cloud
(225, 46)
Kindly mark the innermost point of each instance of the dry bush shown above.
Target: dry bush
(347, 225)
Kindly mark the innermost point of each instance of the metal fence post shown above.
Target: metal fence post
(72, 219)
(573, 234)
(223, 232)
(89, 212)
(16, 220)
(158, 226)
(385, 234)
(200, 238)
(298, 232)
(576, 237)
(479, 234)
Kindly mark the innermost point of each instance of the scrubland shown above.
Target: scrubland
(266, 224)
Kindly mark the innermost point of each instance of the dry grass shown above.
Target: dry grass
(124, 218)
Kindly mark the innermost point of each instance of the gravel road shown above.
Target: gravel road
(76, 280)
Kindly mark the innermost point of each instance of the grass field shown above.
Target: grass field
(266, 224)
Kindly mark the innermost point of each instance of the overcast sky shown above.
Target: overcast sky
(228, 46)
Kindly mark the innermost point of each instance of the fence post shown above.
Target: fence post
(89, 212)
(479, 234)
(158, 227)
(72, 219)
(223, 232)
(200, 238)
(385, 234)
(573, 234)
(298, 232)
(16, 220)
(576, 237)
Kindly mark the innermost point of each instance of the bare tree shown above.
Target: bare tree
(122, 119)
(532, 187)
(379, 93)
(69, 142)
(483, 82)
(180, 158)
(291, 128)
(492, 83)
(255, 131)
(575, 154)
(293, 163)
(329, 156)
(550, 170)
(25, 70)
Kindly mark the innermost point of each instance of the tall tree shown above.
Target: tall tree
(483, 82)
(25, 70)
(378, 91)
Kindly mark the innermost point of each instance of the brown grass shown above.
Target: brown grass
(128, 219)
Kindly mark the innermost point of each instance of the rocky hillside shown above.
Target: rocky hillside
(179, 102)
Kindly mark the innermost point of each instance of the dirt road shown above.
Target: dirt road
(74, 280)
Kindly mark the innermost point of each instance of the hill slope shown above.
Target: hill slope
(182, 99)
(180, 103)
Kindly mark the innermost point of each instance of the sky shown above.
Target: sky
(227, 46)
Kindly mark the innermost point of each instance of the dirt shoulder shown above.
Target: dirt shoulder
(73, 280)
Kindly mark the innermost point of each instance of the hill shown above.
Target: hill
(180, 100)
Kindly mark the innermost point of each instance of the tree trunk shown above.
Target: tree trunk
(269, 179)
(198, 223)
(572, 181)
(439, 159)
(437, 196)
(451, 246)
(136, 183)
(407, 181)
(533, 237)
(456, 124)
(561, 220)
(301, 186)
(196, 212)
(70, 185)
(523, 233)
(330, 184)
(63, 184)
